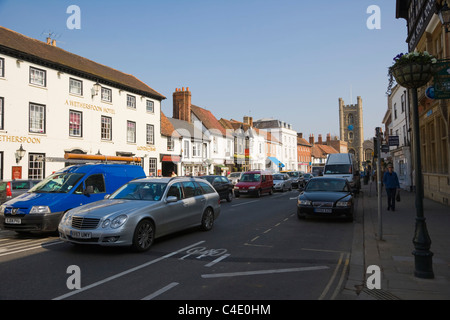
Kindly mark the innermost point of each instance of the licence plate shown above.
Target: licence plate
(13, 221)
(323, 210)
(80, 234)
(243, 191)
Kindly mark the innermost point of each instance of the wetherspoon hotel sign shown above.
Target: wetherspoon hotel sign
(420, 13)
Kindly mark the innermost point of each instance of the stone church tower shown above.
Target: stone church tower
(351, 128)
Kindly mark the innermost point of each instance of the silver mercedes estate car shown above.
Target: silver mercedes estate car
(141, 211)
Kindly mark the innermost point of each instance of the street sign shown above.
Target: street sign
(442, 80)
(394, 141)
(384, 148)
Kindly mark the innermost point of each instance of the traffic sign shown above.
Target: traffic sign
(394, 141)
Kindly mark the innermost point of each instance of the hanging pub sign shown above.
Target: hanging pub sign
(442, 80)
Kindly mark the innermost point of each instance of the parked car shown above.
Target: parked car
(306, 177)
(296, 178)
(331, 197)
(2, 191)
(254, 183)
(234, 177)
(281, 182)
(42, 207)
(222, 185)
(15, 188)
(141, 211)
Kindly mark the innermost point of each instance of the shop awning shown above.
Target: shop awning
(277, 162)
(171, 159)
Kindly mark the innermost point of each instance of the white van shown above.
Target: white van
(343, 165)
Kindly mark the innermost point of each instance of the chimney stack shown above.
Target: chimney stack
(182, 104)
(248, 120)
(300, 134)
(320, 139)
(311, 139)
(328, 138)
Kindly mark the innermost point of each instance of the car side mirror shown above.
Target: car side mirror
(171, 199)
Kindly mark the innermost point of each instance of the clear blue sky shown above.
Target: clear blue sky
(287, 59)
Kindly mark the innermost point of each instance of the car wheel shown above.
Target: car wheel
(229, 197)
(144, 235)
(207, 219)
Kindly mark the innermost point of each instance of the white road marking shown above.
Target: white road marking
(258, 272)
(160, 291)
(217, 260)
(95, 284)
(240, 204)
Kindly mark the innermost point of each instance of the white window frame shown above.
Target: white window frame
(152, 166)
(36, 125)
(2, 103)
(170, 144)
(106, 94)
(76, 87)
(150, 136)
(75, 127)
(36, 166)
(131, 134)
(38, 77)
(131, 101)
(106, 128)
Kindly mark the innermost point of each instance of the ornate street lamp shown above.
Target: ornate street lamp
(444, 15)
(20, 153)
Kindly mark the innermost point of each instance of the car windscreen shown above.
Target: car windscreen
(234, 175)
(209, 179)
(338, 169)
(148, 191)
(333, 185)
(250, 177)
(58, 183)
(278, 177)
(293, 174)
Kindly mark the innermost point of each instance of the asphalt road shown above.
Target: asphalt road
(257, 250)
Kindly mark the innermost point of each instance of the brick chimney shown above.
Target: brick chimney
(311, 139)
(320, 139)
(328, 138)
(248, 120)
(182, 104)
(300, 135)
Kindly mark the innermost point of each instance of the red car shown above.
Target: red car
(254, 183)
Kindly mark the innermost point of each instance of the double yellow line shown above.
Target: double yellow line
(342, 262)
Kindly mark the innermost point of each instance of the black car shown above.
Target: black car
(330, 197)
(306, 178)
(223, 186)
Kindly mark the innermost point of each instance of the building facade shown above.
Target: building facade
(426, 32)
(53, 102)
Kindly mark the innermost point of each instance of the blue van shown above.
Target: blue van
(42, 207)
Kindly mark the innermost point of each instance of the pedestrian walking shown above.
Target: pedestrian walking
(391, 183)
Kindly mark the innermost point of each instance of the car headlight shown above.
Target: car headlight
(118, 221)
(40, 210)
(343, 204)
(303, 202)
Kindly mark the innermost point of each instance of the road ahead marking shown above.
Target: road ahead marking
(95, 284)
(258, 272)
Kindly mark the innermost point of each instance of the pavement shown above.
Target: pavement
(387, 243)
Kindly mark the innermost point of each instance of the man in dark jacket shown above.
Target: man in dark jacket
(391, 183)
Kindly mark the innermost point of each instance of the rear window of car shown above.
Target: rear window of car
(206, 187)
(19, 185)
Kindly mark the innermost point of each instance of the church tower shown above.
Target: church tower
(351, 128)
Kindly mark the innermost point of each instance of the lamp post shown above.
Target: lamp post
(423, 257)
